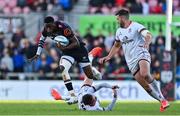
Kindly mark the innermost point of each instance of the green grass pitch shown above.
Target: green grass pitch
(61, 108)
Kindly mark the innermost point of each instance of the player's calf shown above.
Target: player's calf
(88, 71)
(67, 80)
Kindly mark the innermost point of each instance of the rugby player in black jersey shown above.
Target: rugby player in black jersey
(74, 51)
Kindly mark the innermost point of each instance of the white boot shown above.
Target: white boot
(96, 73)
(72, 100)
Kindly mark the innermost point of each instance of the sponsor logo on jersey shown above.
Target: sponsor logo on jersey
(126, 40)
(67, 32)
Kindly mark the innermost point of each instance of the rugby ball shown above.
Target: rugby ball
(61, 40)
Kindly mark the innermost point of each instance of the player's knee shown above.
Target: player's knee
(64, 72)
(61, 68)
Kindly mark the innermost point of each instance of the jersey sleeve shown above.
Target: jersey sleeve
(40, 44)
(111, 105)
(102, 85)
(117, 36)
(68, 32)
(140, 27)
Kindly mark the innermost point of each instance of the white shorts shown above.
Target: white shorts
(134, 67)
(71, 60)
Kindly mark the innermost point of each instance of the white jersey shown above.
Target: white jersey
(132, 42)
(87, 90)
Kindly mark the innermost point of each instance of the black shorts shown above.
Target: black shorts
(79, 54)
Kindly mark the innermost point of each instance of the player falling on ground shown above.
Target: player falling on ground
(135, 40)
(75, 51)
(86, 98)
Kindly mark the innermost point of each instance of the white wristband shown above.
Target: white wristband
(39, 50)
(144, 33)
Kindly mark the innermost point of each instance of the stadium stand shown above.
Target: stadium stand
(135, 6)
(27, 6)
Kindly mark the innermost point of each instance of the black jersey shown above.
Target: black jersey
(63, 29)
(79, 53)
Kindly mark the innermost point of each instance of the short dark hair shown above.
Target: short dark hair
(87, 99)
(122, 12)
(49, 19)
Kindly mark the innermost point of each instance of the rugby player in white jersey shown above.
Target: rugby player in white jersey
(86, 97)
(135, 40)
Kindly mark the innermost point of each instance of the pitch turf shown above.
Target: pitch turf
(61, 108)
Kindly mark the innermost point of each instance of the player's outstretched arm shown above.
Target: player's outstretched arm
(105, 85)
(113, 51)
(112, 104)
(102, 85)
(40, 47)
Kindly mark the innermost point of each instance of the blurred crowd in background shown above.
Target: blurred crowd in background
(14, 55)
(135, 6)
(17, 49)
(27, 6)
(95, 6)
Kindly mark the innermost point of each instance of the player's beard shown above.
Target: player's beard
(121, 24)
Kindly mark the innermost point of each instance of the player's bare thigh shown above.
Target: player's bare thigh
(144, 70)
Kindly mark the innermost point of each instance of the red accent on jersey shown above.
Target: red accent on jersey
(67, 32)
